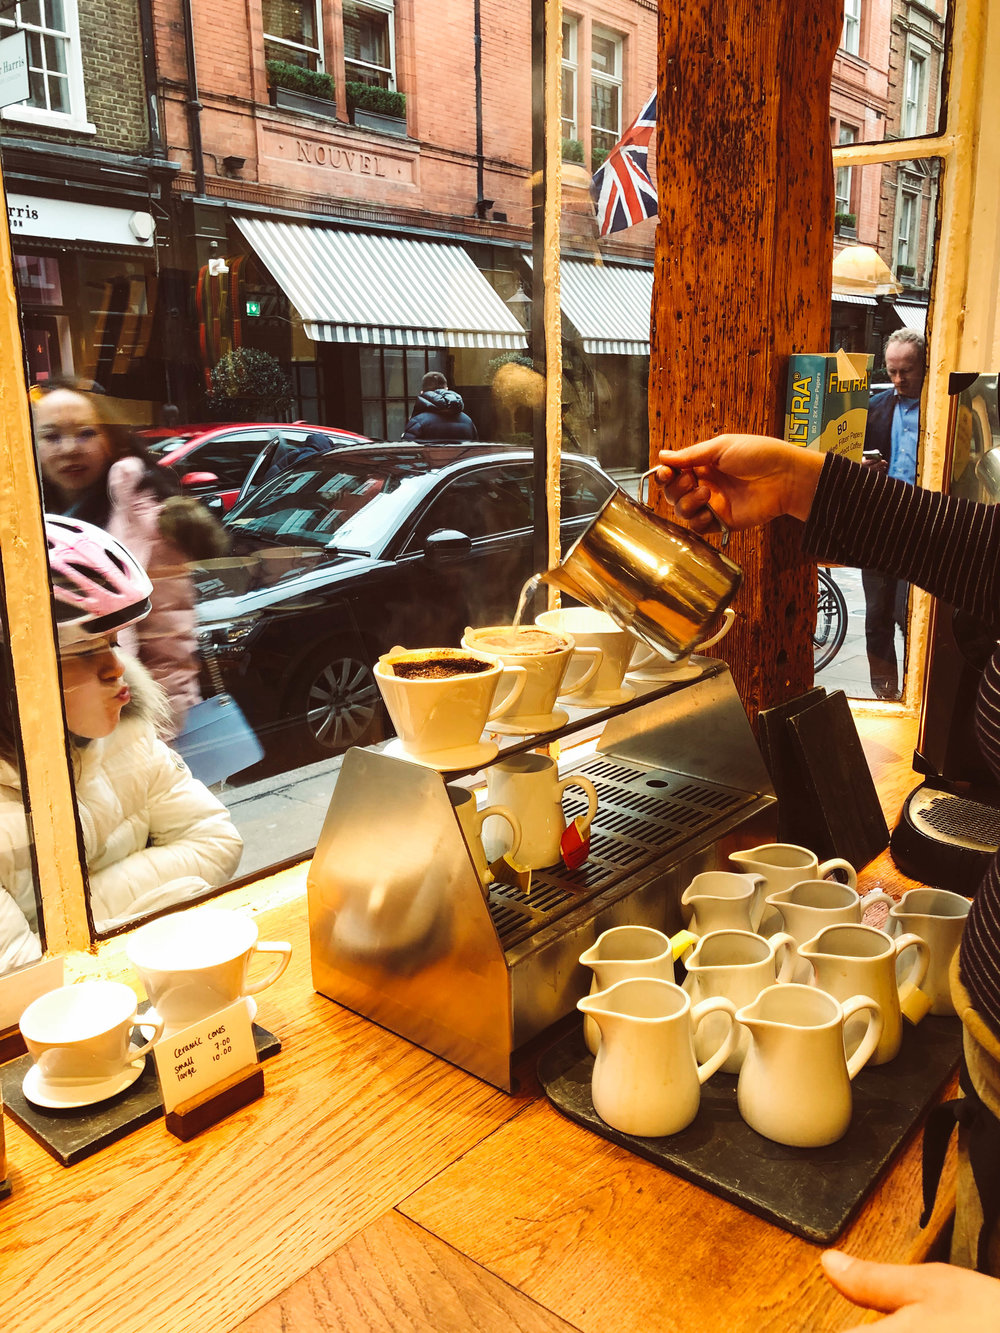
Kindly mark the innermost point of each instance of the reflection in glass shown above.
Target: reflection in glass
(20, 906)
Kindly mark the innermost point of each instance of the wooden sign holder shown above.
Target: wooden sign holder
(190, 1117)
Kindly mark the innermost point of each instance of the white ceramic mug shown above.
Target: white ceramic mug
(938, 917)
(649, 665)
(471, 818)
(594, 629)
(530, 785)
(646, 1080)
(195, 963)
(436, 716)
(81, 1034)
(545, 655)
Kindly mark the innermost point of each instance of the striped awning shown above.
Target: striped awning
(853, 298)
(913, 316)
(357, 287)
(608, 305)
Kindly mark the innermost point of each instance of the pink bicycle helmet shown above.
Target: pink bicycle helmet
(97, 583)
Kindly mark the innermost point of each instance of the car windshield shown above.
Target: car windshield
(172, 442)
(352, 506)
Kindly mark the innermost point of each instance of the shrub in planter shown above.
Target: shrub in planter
(905, 271)
(848, 220)
(248, 382)
(572, 150)
(369, 97)
(598, 158)
(283, 74)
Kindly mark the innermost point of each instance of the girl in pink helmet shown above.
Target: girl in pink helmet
(93, 469)
(153, 835)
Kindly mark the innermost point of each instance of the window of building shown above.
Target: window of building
(605, 90)
(390, 383)
(842, 181)
(294, 32)
(370, 42)
(850, 40)
(54, 63)
(569, 78)
(914, 118)
(907, 215)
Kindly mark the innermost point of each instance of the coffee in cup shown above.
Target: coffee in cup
(438, 668)
(517, 640)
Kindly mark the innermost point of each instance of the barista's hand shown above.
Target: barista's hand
(918, 1298)
(747, 480)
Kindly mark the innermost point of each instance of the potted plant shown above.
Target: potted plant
(377, 108)
(844, 224)
(297, 89)
(248, 384)
(598, 157)
(572, 150)
(907, 272)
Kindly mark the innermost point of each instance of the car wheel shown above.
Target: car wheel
(338, 703)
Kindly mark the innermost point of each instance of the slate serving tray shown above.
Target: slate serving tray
(812, 1192)
(72, 1135)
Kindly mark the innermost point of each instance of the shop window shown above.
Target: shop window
(293, 31)
(850, 40)
(569, 78)
(605, 90)
(370, 43)
(390, 383)
(54, 63)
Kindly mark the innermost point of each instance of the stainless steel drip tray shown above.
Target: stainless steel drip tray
(644, 815)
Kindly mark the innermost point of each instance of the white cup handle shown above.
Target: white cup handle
(872, 1033)
(717, 1004)
(790, 956)
(597, 656)
(502, 812)
(140, 1022)
(728, 616)
(646, 659)
(284, 952)
(586, 785)
(838, 863)
(513, 694)
(871, 899)
(921, 962)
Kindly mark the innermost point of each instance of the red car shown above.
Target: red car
(213, 461)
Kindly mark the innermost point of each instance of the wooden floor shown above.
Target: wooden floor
(378, 1188)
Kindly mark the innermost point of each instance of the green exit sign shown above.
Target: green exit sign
(253, 307)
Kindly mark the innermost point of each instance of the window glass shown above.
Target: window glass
(851, 37)
(20, 906)
(53, 45)
(605, 90)
(569, 79)
(368, 44)
(292, 32)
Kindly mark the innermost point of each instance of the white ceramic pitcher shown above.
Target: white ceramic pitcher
(937, 916)
(737, 965)
(807, 907)
(629, 951)
(645, 1080)
(722, 900)
(795, 1084)
(860, 960)
(785, 863)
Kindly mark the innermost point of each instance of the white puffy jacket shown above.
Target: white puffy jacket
(153, 834)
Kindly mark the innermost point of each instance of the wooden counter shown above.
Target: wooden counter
(377, 1187)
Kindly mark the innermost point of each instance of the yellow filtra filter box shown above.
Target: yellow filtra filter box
(827, 403)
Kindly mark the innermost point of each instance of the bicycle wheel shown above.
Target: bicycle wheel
(831, 621)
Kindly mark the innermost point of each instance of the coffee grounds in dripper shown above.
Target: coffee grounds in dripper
(439, 668)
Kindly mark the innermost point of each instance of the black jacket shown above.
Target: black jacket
(439, 416)
(878, 430)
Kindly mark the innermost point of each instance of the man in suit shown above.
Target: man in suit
(893, 430)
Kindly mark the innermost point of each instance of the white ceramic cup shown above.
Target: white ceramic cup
(649, 665)
(594, 629)
(450, 713)
(546, 665)
(195, 963)
(471, 819)
(80, 1034)
(938, 917)
(530, 785)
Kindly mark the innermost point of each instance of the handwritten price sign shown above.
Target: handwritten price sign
(194, 1060)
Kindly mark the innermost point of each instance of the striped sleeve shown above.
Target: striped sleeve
(948, 546)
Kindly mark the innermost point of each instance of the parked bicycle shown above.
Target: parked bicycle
(831, 621)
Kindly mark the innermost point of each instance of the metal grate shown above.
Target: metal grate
(642, 814)
(957, 819)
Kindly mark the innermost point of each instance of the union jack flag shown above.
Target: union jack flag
(622, 188)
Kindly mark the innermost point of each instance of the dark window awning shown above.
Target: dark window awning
(609, 305)
(357, 287)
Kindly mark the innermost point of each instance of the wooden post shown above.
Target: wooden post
(744, 250)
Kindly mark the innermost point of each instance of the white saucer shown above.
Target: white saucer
(146, 1021)
(531, 724)
(665, 675)
(464, 756)
(602, 699)
(69, 1096)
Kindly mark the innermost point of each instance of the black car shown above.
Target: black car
(347, 555)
